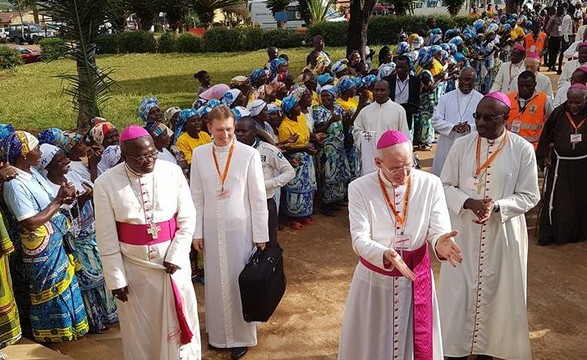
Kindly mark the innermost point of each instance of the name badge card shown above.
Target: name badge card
(223, 194)
(576, 138)
(532, 48)
(516, 125)
(402, 242)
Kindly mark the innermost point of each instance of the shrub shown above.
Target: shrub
(282, 38)
(108, 43)
(137, 42)
(9, 57)
(253, 38)
(334, 33)
(188, 43)
(53, 48)
(167, 43)
(222, 39)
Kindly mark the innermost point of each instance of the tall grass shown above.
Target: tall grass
(31, 96)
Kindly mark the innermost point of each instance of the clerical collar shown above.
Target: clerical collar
(388, 183)
(497, 139)
(388, 100)
(132, 172)
(224, 148)
(462, 94)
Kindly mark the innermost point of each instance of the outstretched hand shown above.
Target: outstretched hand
(447, 248)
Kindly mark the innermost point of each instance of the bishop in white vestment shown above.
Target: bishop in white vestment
(228, 189)
(490, 181)
(144, 224)
(395, 214)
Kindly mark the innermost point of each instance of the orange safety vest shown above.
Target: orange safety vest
(529, 122)
(538, 45)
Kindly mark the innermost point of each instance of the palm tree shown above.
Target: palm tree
(318, 10)
(82, 19)
(205, 8)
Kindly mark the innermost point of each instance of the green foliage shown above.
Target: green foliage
(189, 43)
(334, 33)
(9, 57)
(282, 38)
(454, 6)
(53, 48)
(108, 43)
(277, 5)
(222, 39)
(205, 8)
(384, 30)
(318, 10)
(167, 43)
(137, 42)
(253, 38)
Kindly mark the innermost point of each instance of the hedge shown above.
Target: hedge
(52, 48)
(9, 57)
(382, 30)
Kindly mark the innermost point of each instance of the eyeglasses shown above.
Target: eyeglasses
(487, 117)
(144, 158)
(398, 169)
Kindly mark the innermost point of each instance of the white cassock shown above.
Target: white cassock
(379, 309)
(230, 228)
(543, 84)
(506, 75)
(483, 301)
(567, 71)
(148, 320)
(373, 120)
(454, 107)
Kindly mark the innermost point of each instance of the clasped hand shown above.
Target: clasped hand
(481, 208)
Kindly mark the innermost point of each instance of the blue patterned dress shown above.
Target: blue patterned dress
(334, 163)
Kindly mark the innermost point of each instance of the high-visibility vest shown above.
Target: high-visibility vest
(529, 122)
(535, 47)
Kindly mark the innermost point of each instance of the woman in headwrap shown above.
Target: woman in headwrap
(105, 152)
(149, 110)
(161, 135)
(259, 77)
(340, 68)
(243, 84)
(57, 312)
(258, 111)
(334, 165)
(279, 71)
(308, 78)
(191, 122)
(99, 302)
(304, 98)
(72, 145)
(170, 115)
(423, 134)
(10, 331)
(233, 98)
(299, 191)
(215, 92)
(347, 88)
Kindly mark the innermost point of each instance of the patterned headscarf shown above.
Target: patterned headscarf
(288, 103)
(48, 152)
(210, 105)
(169, 113)
(324, 79)
(346, 83)
(368, 80)
(5, 130)
(230, 96)
(298, 92)
(146, 106)
(65, 140)
(158, 128)
(15, 144)
(240, 112)
(183, 117)
(272, 108)
(275, 63)
(99, 131)
(238, 80)
(215, 92)
(330, 89)
(256, 74)
(385, 70)
(256, 107)
(340, 65)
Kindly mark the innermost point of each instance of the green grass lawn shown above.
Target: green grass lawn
(31, 95)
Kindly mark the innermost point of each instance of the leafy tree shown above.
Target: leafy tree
(90, 86)
(454, 6)
(304, 11)
(205, 8)
(145, 11)
(278, 6)
(360, 11)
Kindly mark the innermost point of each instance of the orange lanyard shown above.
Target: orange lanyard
(399, 218)
(491, 158)
(225, 173)
(572, 122)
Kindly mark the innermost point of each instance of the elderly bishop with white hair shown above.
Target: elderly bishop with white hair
(395, 214)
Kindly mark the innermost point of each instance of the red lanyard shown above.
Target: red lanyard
(399, 218)
(575, 126)
(491, 158)
(225, 173)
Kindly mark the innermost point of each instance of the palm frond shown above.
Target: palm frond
(318, 10)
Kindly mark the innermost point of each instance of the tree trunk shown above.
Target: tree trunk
(512, 6)
(86, 98)
(35, 12)
(358, 24)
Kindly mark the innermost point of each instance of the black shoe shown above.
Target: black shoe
(545, 241)
(238, 352)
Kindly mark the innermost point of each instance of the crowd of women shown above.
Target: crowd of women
(47, 180)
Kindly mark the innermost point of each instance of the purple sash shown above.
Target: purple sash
(419, 262)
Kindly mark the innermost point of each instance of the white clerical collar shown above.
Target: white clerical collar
(497, 139)
(462, 94)
(388, 183)
(25, 176)
(385, 103)
(224, 148)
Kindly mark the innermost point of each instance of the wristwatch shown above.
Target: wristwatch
(495, 207)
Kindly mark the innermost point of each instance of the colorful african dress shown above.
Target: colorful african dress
(423, 130)
(299, 192)
(352, 152)
(333, 161)
(10, 331)
(57, 310)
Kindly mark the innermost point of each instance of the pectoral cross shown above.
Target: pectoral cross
(153, 230)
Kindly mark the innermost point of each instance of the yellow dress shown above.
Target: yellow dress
(349, 105)
(10, 330)
(187, 144)
(436, 67)
(290, 127)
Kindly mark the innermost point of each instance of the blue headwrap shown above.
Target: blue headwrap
(434, 49)
(346, 83)
(368, 80)
(452, 47)
(330, 89)
(434, 38)
(50, 136)
(183, 117)
(445, 46)
(275, 63)
(402, 48)
(424, 59)
(5, 130)
(65, 140)
(340, 65)
(288, 103)
(15, 144)
(324, 79)
(272, 108)
(146, 105)
(256, 74)
(456, 40)
(240, 112)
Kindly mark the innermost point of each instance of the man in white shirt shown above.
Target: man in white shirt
(453, 117)
(277, 170)
(509, 70)
(572, 65)
(543, 83)
(579, 77)
(375, 119)
(567, 32)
